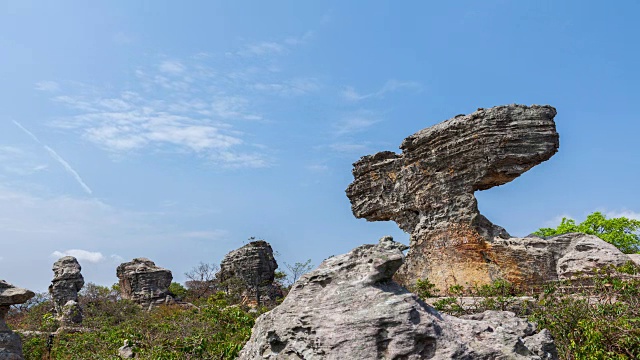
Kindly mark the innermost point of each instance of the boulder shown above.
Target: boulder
(252, 268)
(67, 282)
(428, 190)
(145, 283)
(10, 343)
(350, 308)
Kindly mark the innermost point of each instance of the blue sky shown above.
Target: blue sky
(175, 131)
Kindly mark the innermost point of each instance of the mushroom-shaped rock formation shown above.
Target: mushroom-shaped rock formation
(10, 344)
(350, 308)
(253, 268)
(67, 281)
(428, 188)
(145, 283)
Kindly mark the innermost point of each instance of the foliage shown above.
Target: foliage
(590, 318)
(214, 330)
(425, 289)
(298, 269)
(621, 232)
(201, 280)
(178, 291)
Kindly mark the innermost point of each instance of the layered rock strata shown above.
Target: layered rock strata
(252, 268)
(145, 283)
(67, 282)
(10, 343)
(350, 308)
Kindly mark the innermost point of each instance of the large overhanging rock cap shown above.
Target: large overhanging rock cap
(350, 308)
(11, 295)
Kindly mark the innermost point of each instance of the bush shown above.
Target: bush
(590, 318)
(215, 330)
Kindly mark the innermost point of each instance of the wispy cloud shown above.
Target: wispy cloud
(48, 86)
(81, 255)
(629, 214)
(57, 158)
(356, 122)
(179, 107)
(273, 48)
(350, 94)
(300, 86)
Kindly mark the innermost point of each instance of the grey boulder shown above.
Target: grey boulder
(350, 308)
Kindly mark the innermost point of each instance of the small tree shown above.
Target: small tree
(201, 279)
(621, 232)
(298, 269)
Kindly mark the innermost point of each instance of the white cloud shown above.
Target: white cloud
(263, 48)
(81, 255)
(116, 258)
(182, 116)
(350, 94)
(300, 86)
(172, 67)
(629, 214)
(48, 86)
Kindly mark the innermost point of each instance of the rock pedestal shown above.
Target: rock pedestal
(10, 343)
(67, 282)
(145, 283)
(251, 267)
(350, 308)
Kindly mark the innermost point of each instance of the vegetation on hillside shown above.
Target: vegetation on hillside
(215, 329)
(590, 318)
(621, 231)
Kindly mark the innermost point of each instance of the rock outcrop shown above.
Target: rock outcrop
(251, 267)
(10, 343)
(350, 308)
(67, 281)
(428, 190)
(145, 283)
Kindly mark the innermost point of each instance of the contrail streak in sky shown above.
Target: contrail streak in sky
(57, 158)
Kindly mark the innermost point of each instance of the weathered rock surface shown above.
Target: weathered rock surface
(253, 267)
(67, 282)
(145, 283)
(428, 190)
(350, 308)
(10, 343)
(635, 258)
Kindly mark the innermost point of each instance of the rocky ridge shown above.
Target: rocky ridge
(349, 307)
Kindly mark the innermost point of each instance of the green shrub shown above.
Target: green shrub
(595, 317)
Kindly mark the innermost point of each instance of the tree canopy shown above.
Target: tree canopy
(621, 231)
